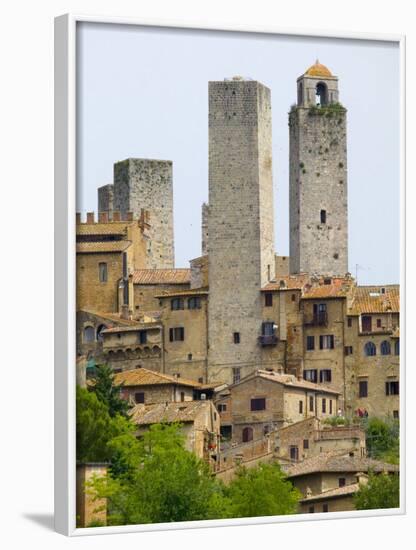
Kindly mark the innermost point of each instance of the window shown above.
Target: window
(189, 356)
(323, 216)
(311, 375)
(142, 336)
(176, 334)
(349, 322)
(194, 302)
(330, 406)
(327, 281)
(363, 388)
(222, 407)
(323, 405)
(268, 299)
(247, 434)
(258, 404)
(370, 349)
(182, 396)
(348, 350)
(392, 388)
(293, 297)
(102, 272)
(268, 328)
(341, 482)
(385, 348)
(300, 407)
(311, 403)
(176, 303)
(89, 334)
(325, 508)
(310, 343)
(321, 94)
(294, 453)
(366, 323)
(306, 443)
(395, 414)
(397, 347)
(236, 375)
(236, 336)
(378, 323)
(311, 509)
(326, 341)
(325, 375)
(139, 397)
(100, 329)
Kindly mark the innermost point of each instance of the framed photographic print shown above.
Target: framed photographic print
(229, 255)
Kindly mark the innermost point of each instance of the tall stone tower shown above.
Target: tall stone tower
(240, 223)
(145, 184)
(318, 176)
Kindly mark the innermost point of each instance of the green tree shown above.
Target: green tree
(262, 491)
(381, 491)
(108, 392)
(382, 439)
(161, 482)
(95, 428)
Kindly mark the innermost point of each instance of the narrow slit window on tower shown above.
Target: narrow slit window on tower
(323, 216)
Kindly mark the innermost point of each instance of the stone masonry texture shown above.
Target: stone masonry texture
(240, 226)
(318, 182)
(147, 184)
(105, 199)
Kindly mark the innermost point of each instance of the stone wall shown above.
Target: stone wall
(240, 226)
(318, 182)
(106, 199)
(147, 184)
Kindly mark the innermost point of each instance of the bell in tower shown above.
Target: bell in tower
(317, 87)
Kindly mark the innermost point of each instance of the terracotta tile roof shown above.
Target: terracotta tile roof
(334, 493)
(142, 326)
(338, 288)
(111, 317)
(102, 247)
(185, 411)
(145, 377)
(371, 299)
(290, 282)
(186, 292)
(287, 380)
(178, 276)
(338, 462)
(110, 228)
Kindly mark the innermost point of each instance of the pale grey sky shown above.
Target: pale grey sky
(143, 92)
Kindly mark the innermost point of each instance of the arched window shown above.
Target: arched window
(321, 94)
(89, 334)
(370, 349)
(100, 337)
(247, 434)
(385, 348)
(397, 347)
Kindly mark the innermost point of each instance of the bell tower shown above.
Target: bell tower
(318, 176)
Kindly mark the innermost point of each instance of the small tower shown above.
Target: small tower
(318, 176)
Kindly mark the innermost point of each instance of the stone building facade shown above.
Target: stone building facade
(241, 249)
(318, 176)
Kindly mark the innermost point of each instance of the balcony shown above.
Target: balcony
(317, 320)
(268, 340)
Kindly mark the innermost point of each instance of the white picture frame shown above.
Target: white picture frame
(65, 189)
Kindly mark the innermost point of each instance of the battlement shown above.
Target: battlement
(115, 217)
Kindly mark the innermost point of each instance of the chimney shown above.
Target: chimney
(78, 218)
(129, 217)
(116, 216)
(90, 217)
(103, 217)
